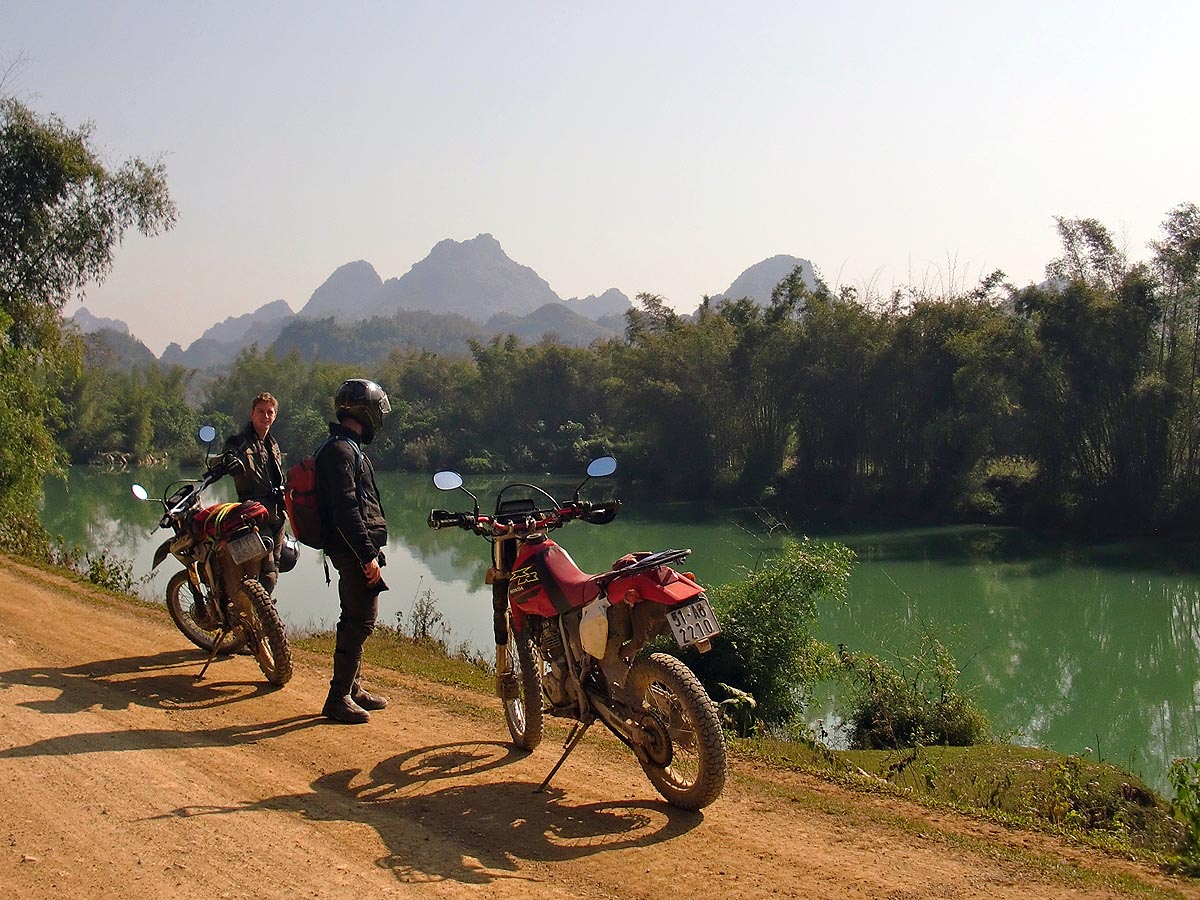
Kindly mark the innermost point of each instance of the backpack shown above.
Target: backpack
(300, 495)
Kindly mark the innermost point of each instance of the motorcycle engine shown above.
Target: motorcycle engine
(554, 682)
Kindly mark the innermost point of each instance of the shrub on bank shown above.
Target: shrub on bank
(915, 703)
(767, 647)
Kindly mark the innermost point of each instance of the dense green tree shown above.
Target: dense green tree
(62, 214)
(1104, 408)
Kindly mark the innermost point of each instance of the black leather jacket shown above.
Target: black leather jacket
(352, 517)
(262, 474)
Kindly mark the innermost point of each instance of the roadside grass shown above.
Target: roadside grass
(1070, 796)
(426, 658)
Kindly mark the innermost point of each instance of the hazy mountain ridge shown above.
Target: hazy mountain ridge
(87, 323)
(460, 290)
(351, 292)
(474, 278)
(221, 343)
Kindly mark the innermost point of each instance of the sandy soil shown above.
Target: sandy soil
(122, 776)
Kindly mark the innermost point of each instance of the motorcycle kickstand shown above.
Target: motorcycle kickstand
(573, 739)
(212, 654)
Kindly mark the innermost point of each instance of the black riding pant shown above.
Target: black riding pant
(359, 607)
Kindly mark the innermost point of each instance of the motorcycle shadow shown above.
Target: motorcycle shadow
(476, 829)
(161, 680)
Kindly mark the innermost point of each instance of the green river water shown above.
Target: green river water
(1087, 649)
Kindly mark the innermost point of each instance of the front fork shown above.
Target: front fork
(504, 552)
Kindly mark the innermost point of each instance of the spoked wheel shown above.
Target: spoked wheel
(189, 611)
(268, 640)
(685, 759)
(523, 713)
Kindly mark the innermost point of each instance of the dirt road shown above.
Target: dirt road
(123, 777)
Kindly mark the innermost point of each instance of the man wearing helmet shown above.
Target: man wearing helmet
(353, 533)
(253, 458)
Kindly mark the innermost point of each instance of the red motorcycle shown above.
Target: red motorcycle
(216, 600)
(571, 644)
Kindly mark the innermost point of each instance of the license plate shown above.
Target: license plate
(693, 623)
(247, 547)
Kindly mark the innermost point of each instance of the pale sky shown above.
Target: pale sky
(649, 146)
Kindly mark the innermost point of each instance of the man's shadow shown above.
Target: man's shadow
(164, 680)
(476, 830)
(161, 680)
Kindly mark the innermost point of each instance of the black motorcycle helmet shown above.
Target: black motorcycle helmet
(289, 554)
(365, 402)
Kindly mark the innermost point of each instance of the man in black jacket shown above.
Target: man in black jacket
(353, 533)
(256, 463)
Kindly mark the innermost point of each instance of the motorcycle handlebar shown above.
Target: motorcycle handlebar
(542, 520)
(443, 518)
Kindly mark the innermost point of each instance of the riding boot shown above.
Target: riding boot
(339, 705)
(365, 698)
(344, 710)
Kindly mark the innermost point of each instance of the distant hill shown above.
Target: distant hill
(88, 323)
(371, 340)
(474, 278)
(555, 319)
(114, 350)
(221, 343)
(611, 303)
(758, 281)
(351, 292)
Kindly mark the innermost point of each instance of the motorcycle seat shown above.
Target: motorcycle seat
(577, 586)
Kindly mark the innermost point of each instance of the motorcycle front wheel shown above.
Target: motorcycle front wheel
(686, 759)
(523, 713)
(268, 639)
(187, 608)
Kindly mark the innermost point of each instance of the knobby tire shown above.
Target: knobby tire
(268, 639)
(181, 604)
(667, 689)
(523, 714)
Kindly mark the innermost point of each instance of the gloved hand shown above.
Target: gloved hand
(233, 464)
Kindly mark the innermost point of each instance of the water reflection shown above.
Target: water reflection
(1067, 646)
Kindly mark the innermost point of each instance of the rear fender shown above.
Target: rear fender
(663, 585)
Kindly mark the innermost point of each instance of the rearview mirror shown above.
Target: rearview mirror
(207, 434)
(447, 481)
(599, 468)
(140, 492)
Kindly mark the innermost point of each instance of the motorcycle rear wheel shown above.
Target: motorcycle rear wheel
(268, 639)
(689, 763)
(523, 713)
(182, 604)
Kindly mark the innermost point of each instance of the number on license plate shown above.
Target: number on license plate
(247, 547)
(693, 623)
